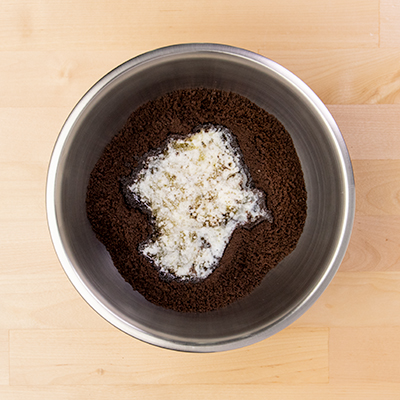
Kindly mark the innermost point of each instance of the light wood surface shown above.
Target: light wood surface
(54, 346)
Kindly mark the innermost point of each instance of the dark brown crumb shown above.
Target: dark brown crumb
(271, 158)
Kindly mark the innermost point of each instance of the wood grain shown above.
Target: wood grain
(378, 187)
(374, 245)
(27, 137)
(77, 357)
(390, 23)
(35, 295)
(357, 299)
(346, 76)
(102, 25)
(374, 355)
(371, 131)
(15, 201)
(346, 391)
(338, 76)
(4, 357)
(54, 346)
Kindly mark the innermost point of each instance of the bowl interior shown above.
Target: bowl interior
(291, 287)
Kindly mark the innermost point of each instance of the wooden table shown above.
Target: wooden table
(54, 346)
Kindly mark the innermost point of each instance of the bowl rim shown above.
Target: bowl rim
(348, 196)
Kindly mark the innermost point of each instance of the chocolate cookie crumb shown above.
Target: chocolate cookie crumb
(268, 153)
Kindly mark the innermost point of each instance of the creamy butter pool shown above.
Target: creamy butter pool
(198, 191)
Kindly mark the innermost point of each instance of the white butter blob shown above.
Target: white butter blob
(198, 192)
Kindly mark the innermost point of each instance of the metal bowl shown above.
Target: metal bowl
(288, 290)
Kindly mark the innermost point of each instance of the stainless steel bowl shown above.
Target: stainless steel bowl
(287, 291)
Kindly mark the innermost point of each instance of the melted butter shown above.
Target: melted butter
(198, 192)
